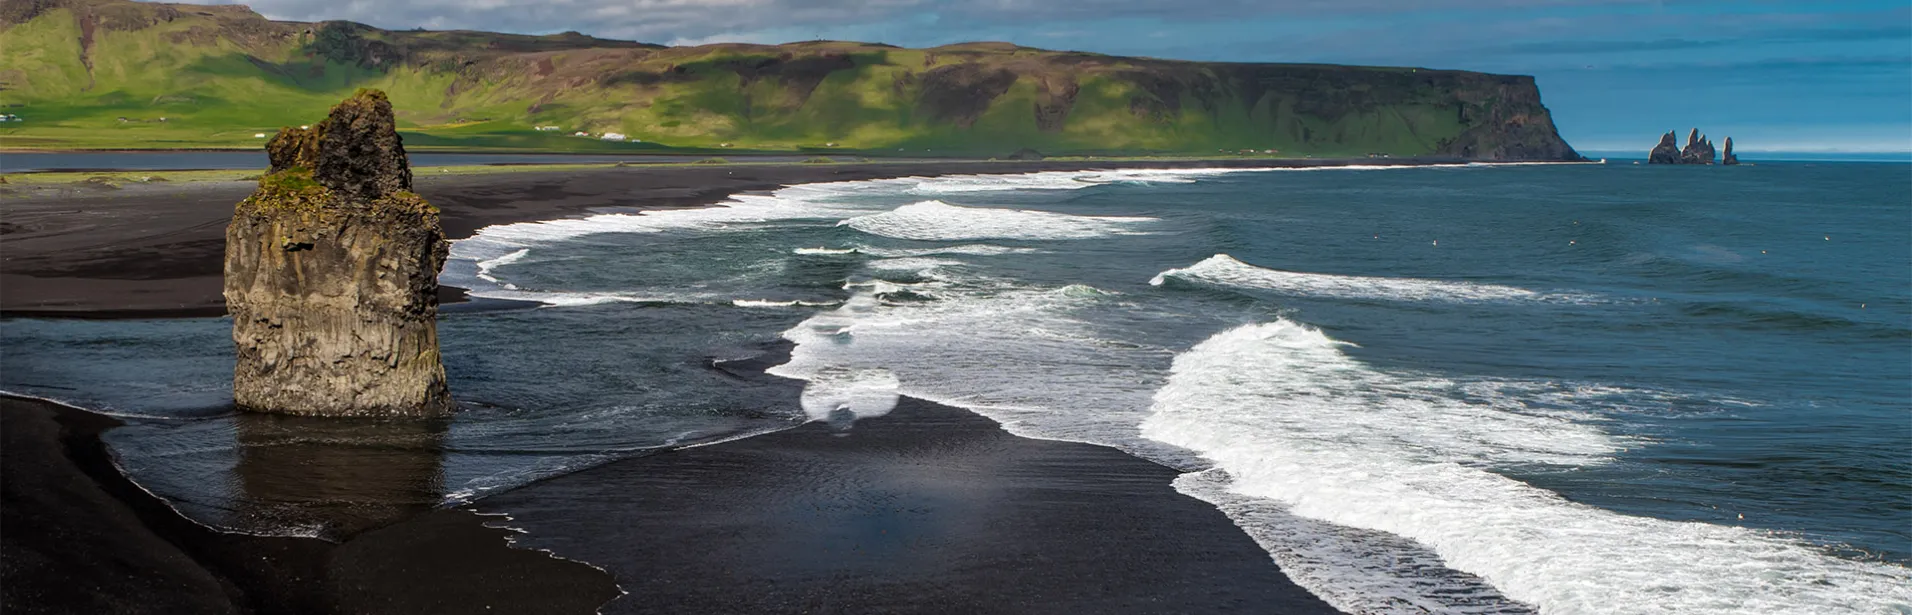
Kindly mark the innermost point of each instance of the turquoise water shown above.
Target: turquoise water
(1583, 388)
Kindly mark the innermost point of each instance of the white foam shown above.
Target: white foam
(1224, 270)
(973, 249)
(939, 221)
(1058, 180)
(824, 251)
(485, 266)
(920, 264)
(1292, 418)
(766, 303)
(809, 201)
(1018, 354)
(860, 392)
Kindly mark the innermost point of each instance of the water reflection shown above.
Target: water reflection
(336, 477)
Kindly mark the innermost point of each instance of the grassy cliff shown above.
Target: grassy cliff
(113, 73)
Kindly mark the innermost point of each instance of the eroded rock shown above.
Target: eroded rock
(331, 275)
(1667, 152)
(1698, 150)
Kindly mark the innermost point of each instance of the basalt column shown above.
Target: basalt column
(332, 275)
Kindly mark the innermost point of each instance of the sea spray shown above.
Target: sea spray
(1292, 418)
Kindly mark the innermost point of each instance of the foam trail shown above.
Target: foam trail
(939, 221)
(766, 303)
(1293, 419)
(1224, 270)
(485, 266)
(972, 249)
(1059, 180)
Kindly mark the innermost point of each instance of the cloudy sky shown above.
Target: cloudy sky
(1792, 75)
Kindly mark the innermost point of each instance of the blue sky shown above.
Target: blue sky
(1787, 75)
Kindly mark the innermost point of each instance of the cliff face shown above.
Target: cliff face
(224, 70)
(331, 275)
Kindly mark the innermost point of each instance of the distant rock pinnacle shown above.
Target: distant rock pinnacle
(1698, 150)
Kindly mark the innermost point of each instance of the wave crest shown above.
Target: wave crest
(1225, 270)
(939, 221)
(1293, 419)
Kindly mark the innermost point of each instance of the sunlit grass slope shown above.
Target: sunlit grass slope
(112, 73)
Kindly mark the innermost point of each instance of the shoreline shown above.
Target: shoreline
(929, 509)
(102, 543)
(156, 250)
(1210, 561)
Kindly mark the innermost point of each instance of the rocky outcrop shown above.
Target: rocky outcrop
(1667, 152)
(1728, 158)
(1698, 150)
(331, 275)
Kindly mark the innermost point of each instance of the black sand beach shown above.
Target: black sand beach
(76, 536)
(930, 509)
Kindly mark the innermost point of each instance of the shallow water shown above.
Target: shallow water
(1597, 388)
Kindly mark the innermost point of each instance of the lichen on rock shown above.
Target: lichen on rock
(331, 275)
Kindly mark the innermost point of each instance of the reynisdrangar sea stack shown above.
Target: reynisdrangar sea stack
(331, 275)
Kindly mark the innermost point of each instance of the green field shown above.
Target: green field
(113, 74)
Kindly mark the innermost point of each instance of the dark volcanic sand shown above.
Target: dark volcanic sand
(156, 250)
(77, 537)
(929, 509)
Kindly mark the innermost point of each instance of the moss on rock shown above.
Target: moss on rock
(332, 275)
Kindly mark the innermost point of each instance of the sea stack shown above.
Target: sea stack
(1699, 149)
(332, 275)
(1667, 152)
(1728, 158)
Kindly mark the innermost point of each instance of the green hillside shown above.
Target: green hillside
(113, 74)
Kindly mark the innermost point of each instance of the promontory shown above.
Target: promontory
(222, 76)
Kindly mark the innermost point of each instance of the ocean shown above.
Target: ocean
(1584, 388)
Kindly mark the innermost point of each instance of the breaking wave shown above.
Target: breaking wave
(1224, 270)
(1289, 417)
(939, 221)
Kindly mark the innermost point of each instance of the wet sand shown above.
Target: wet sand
(76, 536)
(929, 509)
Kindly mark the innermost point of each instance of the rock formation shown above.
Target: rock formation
(1728, 158)
(1667, 152)
(1698, 150)
(332, 275)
